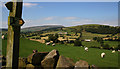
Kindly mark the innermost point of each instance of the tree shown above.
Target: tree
(53, 38)
(108, 35)
(106, 46)
(56, 36)
(99, 39)
(118, 47)
(115, 37)
(77, 43)
(94, 38)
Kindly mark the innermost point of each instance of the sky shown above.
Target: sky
(66, 13)
(64, 0)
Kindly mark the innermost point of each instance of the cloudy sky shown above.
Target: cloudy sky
(66, 13)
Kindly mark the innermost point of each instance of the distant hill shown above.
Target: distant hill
(95, 28)
(3, 29)
(92, 28)
(40, 28)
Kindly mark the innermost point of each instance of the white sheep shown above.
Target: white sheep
(48, 43)
(3, 36)
(113, 51)
(34, 51)
(86, 48)
(118, 50)
(102, 55)
(53, 44)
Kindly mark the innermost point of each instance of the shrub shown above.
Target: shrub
(71, 41)
(77, 43)
(61, 42)
(53, 38)
(94, 38)
(106, 46)
(118, 47)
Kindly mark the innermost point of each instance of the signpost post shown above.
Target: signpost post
(14, 25)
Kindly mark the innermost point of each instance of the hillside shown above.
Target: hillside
(92, 28)
(99, 29)
(88, 31)
(39, 28)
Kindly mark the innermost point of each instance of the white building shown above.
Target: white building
(88, 40)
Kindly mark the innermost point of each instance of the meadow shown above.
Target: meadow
(97, 44)
(73, 52)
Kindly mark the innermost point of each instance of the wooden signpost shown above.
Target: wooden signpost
(14, 24)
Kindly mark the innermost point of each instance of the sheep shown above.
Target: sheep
(113, 51)
(34, 51)
(86, 48)
(118, 50)
(3, 36)
(102, 55)
(53, 44)
(48, 43)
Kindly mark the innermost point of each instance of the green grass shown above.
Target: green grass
(112, 43)
(92, 43)
(76, 53)
(95, 43)
(88, 35)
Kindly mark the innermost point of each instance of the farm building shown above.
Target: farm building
(87, 40)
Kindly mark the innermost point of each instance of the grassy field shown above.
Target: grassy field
(88, 35)
(76, 53)
(85, 35)
(96, 44)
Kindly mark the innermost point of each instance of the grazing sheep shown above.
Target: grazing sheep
(113, 51)
(34, 51)
(3, 36)
(102, 55)
(86, 48)
(118, 50)
(48, 43)
(53, 44)
(93, 66)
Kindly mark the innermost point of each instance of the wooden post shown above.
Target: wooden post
(14, 23)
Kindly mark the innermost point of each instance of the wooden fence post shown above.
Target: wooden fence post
(14, 24)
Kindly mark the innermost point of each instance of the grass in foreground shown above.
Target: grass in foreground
(76, 53)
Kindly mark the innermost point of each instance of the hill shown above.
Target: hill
(99, 29)
(3, 29)
(87, 31)
(39, 28)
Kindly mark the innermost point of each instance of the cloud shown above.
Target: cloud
(49, 18)
(29, 4)
(70, 18)
(51, 24)
(82, 21)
